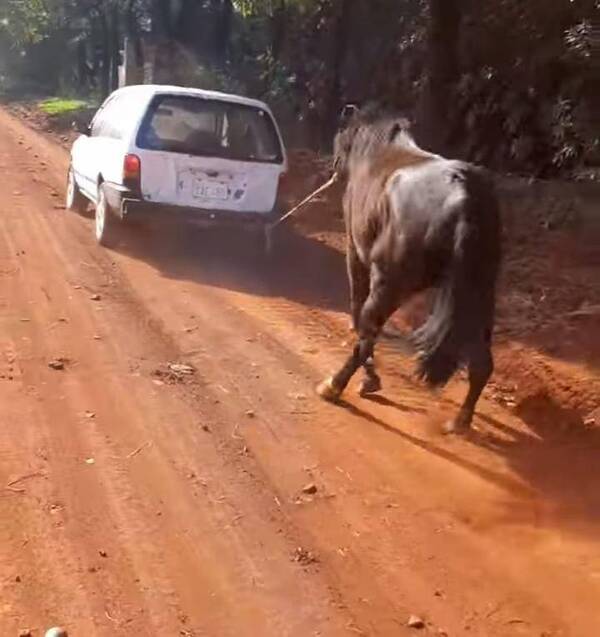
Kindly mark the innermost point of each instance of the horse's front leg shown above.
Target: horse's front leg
(371, 382)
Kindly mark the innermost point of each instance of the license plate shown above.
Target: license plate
(210, 190)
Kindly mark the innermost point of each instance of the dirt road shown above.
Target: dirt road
(135, 501)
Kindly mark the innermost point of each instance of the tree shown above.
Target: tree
(442, 73)
(24, 22)
(528, 106)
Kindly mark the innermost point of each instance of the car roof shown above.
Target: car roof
(148, 91)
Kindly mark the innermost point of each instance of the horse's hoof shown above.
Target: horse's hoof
(328, 391)
(369, 385)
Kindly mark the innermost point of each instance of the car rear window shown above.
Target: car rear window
(210, 128)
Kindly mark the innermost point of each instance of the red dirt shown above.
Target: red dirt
(192, 520)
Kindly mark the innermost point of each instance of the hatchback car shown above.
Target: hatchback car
(178, 154)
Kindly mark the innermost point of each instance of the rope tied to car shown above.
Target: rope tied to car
(306, 200)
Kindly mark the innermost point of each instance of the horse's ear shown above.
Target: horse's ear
(394, 132)
(347, 113)
(400, 125)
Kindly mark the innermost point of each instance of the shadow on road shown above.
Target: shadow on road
(302, 270)
(555, 474)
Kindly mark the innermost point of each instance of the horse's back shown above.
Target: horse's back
(416, 210)
(439, 192)
(425, 188)
(433, 206)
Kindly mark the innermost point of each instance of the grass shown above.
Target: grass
(61, 106)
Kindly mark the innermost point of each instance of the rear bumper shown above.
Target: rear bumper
(132, 208)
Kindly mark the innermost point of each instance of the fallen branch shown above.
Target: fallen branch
(36, 474)
(140, 448)
(235, 520)
(234, 433)
(586, 310)
(13, 490)
(112, 619)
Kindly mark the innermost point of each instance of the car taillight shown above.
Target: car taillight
(132, 172)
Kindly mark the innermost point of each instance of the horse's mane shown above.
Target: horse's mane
(381, 137)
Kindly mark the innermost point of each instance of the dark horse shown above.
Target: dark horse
(417, 221)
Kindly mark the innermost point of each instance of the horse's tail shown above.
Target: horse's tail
(463, 305)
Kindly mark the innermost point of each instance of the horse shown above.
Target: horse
(417, 221)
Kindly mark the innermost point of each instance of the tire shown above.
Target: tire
(107, 223)
(275, 243)
(262, 242)
(75, 200)
(265, 242)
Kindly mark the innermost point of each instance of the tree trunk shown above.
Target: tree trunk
(436, 100)
(82, 64)
(159, 61)
(339, 56)
(278, 28)
(223, 32)
(105, 56)
(160, 12)
(115, 49)
(132, 29)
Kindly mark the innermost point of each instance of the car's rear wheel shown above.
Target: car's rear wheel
(106, 221)
(75, 199)
(263, 242)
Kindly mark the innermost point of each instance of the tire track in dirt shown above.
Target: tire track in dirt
(168, 558)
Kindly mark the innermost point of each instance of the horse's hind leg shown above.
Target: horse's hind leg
(480, 366)
(375, 312)
(358, 275)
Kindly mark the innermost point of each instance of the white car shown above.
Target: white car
(178, 153)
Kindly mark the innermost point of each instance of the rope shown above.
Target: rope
(306, 200)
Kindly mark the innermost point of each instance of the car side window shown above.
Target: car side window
(112, 127)
(126, 116)
(106, 122)
(99, 123)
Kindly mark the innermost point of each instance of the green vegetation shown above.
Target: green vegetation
(60, 106)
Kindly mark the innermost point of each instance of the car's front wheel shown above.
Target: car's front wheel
(75, 200)
(106, 221)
